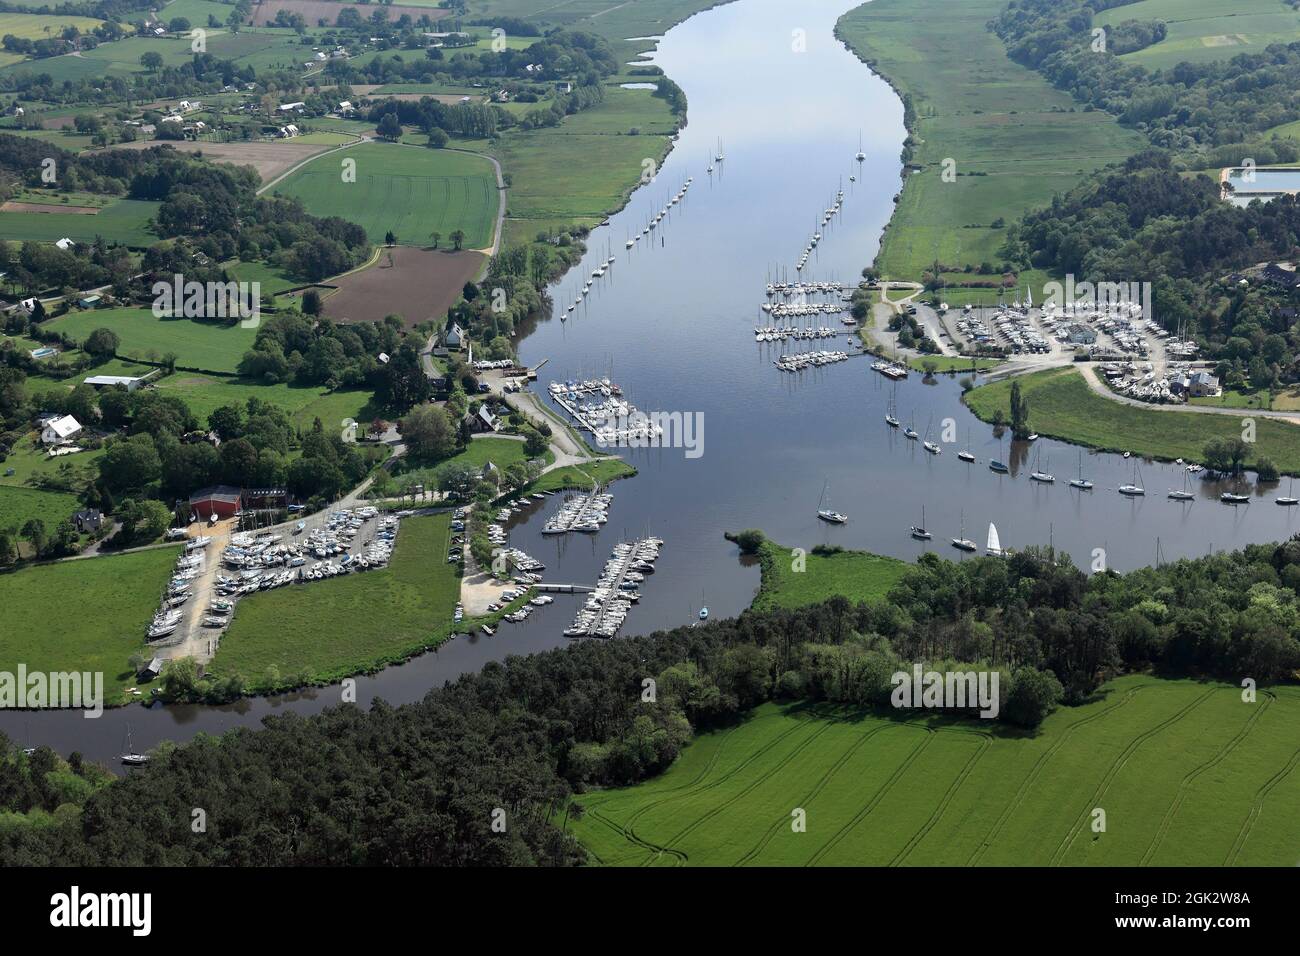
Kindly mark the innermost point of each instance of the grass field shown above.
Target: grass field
(1062, 405)
(124, 220)
(29, 462)
(990, 116)
(1200, 31)
(857, 575)
(1187, 774)
(575, 476)
(99, 630)
(411, 191)
(207, 345)
(33, 26)
(19, 505)
(332, 629)
(502, 452)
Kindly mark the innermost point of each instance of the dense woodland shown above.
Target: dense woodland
(418, 784)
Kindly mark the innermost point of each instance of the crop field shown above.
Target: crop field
(115, 598)
(1062, 405)
(269, 159)
(611, 20)
(33, 26)
(1200, 31)
(206, 345)
(1014, 139)
(124, 220)
(1187, 774)
(412, 192)
(417, 284)
(343, 626)
(313, 10)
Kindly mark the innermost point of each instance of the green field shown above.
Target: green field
(35, 26)
(583, 476)
(1061, 405)
(990, 116)
(332, 629)
(124, 220)
(19, 505)
(102, 627)
(412, 191)
(857, 575)
(1200, 31)
(206, 345)
(1187, 774)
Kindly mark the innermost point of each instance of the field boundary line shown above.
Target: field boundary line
(1257, 807)
(1113, 770)
(1168, 819)
(985, 743)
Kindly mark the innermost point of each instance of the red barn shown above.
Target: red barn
(220, 500)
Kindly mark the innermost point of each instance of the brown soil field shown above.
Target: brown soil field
(451, 99)
(269, 159)
(420, 284)
(12, 206)
(313, 10)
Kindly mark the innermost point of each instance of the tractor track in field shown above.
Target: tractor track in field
(1187, 781)
(1257, 807)
(825, 778)
(986, 742)
(1113, 770)
(1036, 771)
(714, 811)
(875, 799)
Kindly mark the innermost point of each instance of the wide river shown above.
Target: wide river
(673, 325)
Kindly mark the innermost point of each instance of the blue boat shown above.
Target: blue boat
(997, 466)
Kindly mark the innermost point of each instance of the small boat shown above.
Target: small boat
(1133, 488)
(966, 456)
(1033, 436)
(964, 543)
(993, 548)
(918, 531)
(1082, 483)
(130, 756)
(488, 630)
(298, 528)
(1230, 498)
(998, 466)
(704, 614)
(1183, 495)
(826, 514)
(1288, 500)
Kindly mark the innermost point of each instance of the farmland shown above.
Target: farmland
(20, 505)
(123, 220)
(1186, 773)
(1063, 406)
(976, 107)
(412, 192)
(1201, 31)
(313, 10)
(115, 598)
(417, 284)
(205, 345)
(269, 159)
(331, 629)
(33, 26)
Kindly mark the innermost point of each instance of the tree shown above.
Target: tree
(438, 138)
(390, 127)
(227, 421)
(311, 303)
(435, 238)
(390, 238)
(36, 534)
(458, 238)
(535, 443)
(151, 61)
(130, 464)
(102, 344)
(428, 433)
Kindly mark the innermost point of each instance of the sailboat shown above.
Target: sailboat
(861, 155)
(994, 546)
(1081, 482)
(1232, 498)
(826, 514)
(910, 433)
(964, 543)
(1133, 489)
(704, 608)
(1046, 477)
(130, 756)
(1183, 495)
(930, 446)
(721, 156)
(1288, 499)
(966, 455)
(918, 531)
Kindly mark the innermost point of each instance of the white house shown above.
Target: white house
(455, 336)
(292, 107)
(345, 107)
(66, 244)
(59, 430)
(129, 382)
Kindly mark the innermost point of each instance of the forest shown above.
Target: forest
(420, 784)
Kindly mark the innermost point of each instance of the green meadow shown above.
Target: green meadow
(411, 191)
(19, 505)
(207, 345)
(327, 630)
(99, 629)
(123, 220)
(1201, 31)
(1187, 774)
(793, 579)
(1062, 405)
(1013, 139)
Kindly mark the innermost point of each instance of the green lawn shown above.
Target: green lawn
(502, 452)
(411, 191)
(332, 629)
(791, 580)
(97, 631)
(19, 505)
(1201, 31)
(575, 476)
(206, 345)
(1187, 774)
(125, 221)
(31, 465)
(1061, 405)
(991, 116)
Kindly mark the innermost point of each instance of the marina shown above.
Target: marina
(618, 588)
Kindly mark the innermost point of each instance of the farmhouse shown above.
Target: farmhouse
(66, 244)
(454, 337)
(61, 429)
(129, 382)
(87, 519)
(220, 500)
(292, 107)
(287, 132)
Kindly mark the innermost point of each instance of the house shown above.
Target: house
(488, 420)
(287, 132)
(455, 336)
(59, 430)
(148, 129)
(220, 500)
(66, 244)
(1203, 385)
(564, 86)
(89, 301)
(26, 306)
(129, 382)
(1079, 334)
(159, 32)
(292, 107)
(87, 520)
(346, 107)
(188, 106)
(1280, 276)
(150, 670)
(491, 473)
(501, 96)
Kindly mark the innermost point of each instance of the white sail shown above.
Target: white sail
(994, 546)
(1029, 296)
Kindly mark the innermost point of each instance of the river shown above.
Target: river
(673, 325)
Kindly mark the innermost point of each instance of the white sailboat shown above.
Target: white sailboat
(861, 156)
(1183, 495)
(1288, 499)
(919, 532)
(826, 514)
(964, 543)
(1038, 474)
(130, 756)
(994, 546)
(1082, 483)
(1133, 488)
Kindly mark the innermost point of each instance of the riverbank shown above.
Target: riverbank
(1010, 140)
(792, 577)
(1061, 405)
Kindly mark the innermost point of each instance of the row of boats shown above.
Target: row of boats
(617, 589)
(798, 361)
(781, 334)
(829, 213)
(581, 513)
(178, 591)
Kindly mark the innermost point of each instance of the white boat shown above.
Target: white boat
(1230, 498)
(130, 756)
(964, 543)
(1082, 483)
(919, 532)
(966, 456)
(1183, 495)
(993, 548)
(826, 514)
(1133, 489)
(1288, 500)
